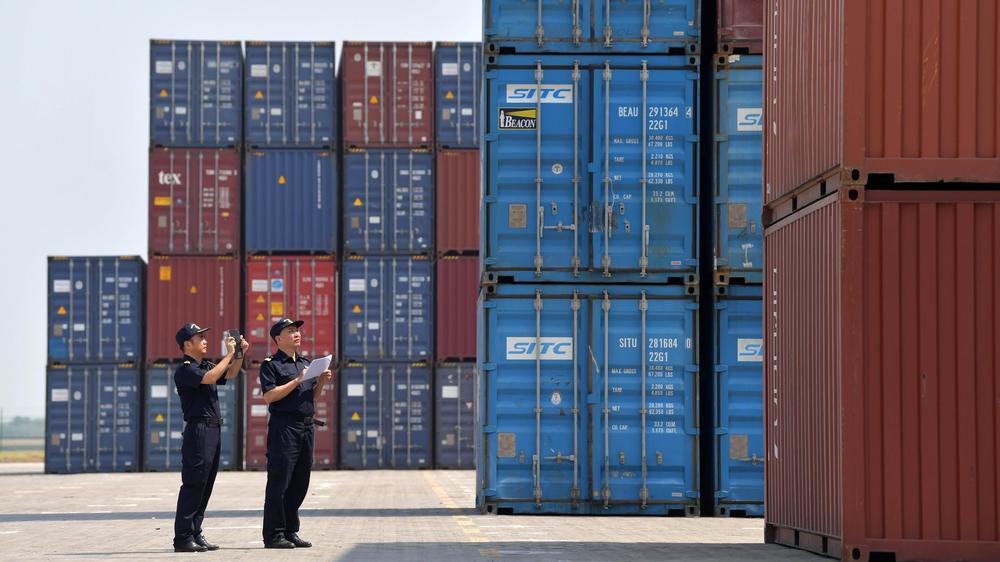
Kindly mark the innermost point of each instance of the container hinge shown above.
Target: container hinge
(722, 494)
(539, 28)
(722, 431)
(489, 429)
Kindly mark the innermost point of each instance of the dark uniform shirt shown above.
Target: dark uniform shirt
(197, 400)
(280, 369)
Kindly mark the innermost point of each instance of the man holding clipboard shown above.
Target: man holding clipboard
(289, 387)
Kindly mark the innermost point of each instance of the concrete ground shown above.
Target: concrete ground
(377, 515)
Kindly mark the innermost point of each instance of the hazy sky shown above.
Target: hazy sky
(73, 107)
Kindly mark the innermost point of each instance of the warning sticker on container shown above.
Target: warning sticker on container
(158, 391)
(373, 68)
(450, 391)
(61, 286)
(355, 390)
(277, 308)
(258, 285)
(161, 201)
(356, 285)
(258, 71)
(60, 395)
(258, 410)
(164, 67)
(449, 69)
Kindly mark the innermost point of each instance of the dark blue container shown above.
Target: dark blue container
(196, 93)
(610, 123)
(291, 202)
(739, 233)
(163, 433)
(454, 415)
(566, 372)
(291, 95)
(592, 26)
(387, 308)
(92, 418)
(458, 80)
(739, 402)
(95, 309)
(385, 415)
(388, 201)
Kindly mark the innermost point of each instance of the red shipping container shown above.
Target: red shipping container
(297, 287)
(906, 90)
(194, 201)
(457, 201)
(883, 376)
(740, 26)
(325, 439)
(388, 94)
(203, 290)
(457, 285)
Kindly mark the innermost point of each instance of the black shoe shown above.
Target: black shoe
(200, 539)
(278, 541)
(188, 545)
(297, 541)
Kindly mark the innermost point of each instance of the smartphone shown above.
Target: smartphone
(235, 334)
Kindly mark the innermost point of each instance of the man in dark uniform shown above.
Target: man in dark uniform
(196, 380)
(289, 434)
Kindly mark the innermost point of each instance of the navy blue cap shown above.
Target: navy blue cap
(187, 332)
(284, 323)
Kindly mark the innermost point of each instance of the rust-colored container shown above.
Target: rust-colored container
(882, 376)
(203, 290)
(457, 201)
(909, 91)
(457, 291)
(387, 92)
(740, 25)
(298, 287)
(325, 439)
(194, 201)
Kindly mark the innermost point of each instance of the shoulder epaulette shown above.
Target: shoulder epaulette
(268, 358)
(187, 362)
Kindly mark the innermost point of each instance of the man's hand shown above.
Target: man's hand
(230, 346)
(325, 377)
(244, 345)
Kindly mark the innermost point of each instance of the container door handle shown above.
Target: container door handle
(606, 180)
(607, 23)
(646, 10)
(539, 28)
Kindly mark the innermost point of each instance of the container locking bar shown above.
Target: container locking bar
(606, 180)
(607, 23)
(574, 492)
(577, 31)
(646, 9)
(539, 28)
(606, 410)
(539, 210)
(644, 256)
(644, 490)
(576, 168)
(536, 459)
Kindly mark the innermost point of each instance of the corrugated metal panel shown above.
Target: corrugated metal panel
(610, 26)
(299, 287)
(924, 105)
(387, 305)
(386, 416)
(95, 309)
(92, 418)
(204, 290)
(457, 285)
(454, 415)
(388, 201)
(739, 402)
(291, 201)
(456, 201)
(611, 128)
(387, 92)
(458, 81)
(740, 26)
(195, 93)
(164, 419)
(548, 350)
(324, 439)
(194, 201)
(291, 97)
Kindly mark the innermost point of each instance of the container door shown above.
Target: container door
(70, 307)
(458, 83)
(632, 26)
(387, 201)
(66, 416)
(365, 299)
(453, 410)
(117, 420)
(120, 309)
(408, 392)
(164, 420)
(361, 421)
(411, 309)
(555, 24)
(173, 92)
(228, 409)
(268, 95)
(325, 444)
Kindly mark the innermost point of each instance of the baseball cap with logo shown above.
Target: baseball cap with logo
(187, 332)
(284, 323)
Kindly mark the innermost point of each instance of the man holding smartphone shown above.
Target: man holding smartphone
(196, 379)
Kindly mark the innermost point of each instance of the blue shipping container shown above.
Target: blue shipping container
(739, 234)
(457, 80)
(739, 402)
(95, 309)
(454, 415)
(592, 26)
(196, 93)
(291, 201)
(164, 418)
(588, 400)
(388, 201)
(291, 94)
(590, 169)
(387, 308)
(385, 411)
(92, 418)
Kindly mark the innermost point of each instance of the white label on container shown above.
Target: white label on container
(258, 285)
(373, 433)
(749, 119)
(750, 350)
(375, 220)
(467, 111)
(61, 286)
(164, 67)
(258, 410)
(76, 437)
(158, 391)
(373, 68)
(547, 349)
(181, 110)
(176, 435)
(276, 111)
(373, 325)
(356, 285)
(79, 327)
(450, 391)
(418, 115)
(355, 390)
(60, 395)
(258, 71)
(449, 69)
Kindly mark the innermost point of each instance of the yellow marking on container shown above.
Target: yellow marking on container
(163, 93)
(161, 201)
(281, 180)
(449, 95)
(357, 202)
(194, 289)
(159, 417)
(259, 95)
(260, 316)
(373, 100)
(277, 309)
(166, 273)
(61, 311)
(355, 417)
(356, 309)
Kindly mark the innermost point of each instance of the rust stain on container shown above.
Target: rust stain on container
(457, 201)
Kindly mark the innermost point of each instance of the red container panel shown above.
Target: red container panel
(740, 26)
(857, 87)
(194, 201)
(457, 291)
(325, 442)
(883, 380)
(387, 91)
(203, 290)
(457, 201)
(297, 287)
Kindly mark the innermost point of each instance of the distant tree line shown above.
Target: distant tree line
(20, 427)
